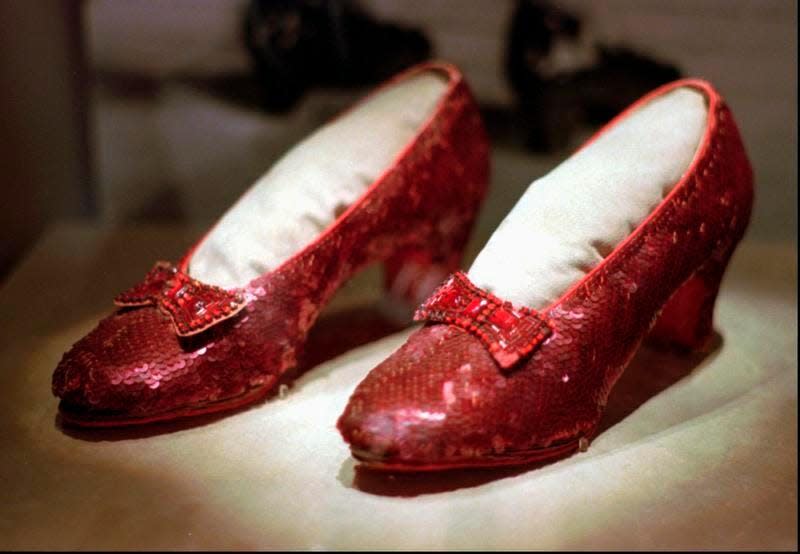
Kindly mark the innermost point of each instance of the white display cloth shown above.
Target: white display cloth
(696, 452)
(573, 217)
(317, 180)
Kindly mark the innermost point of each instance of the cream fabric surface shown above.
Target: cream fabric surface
(570, 219)
(695, 452)
(310, 186)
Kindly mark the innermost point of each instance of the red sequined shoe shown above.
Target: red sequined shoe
(516, 360)
(398, 180)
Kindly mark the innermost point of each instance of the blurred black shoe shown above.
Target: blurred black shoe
(299, 44)
(563, 80)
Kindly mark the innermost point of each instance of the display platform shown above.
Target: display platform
(695, 451)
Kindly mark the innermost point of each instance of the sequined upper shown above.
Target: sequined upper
(443, 400)
(135, 367)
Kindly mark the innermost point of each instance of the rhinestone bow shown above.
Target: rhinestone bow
(192, 306)
(509, 333)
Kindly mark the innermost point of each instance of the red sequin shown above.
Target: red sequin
(150, 288)
(192, 306)
(509, 333)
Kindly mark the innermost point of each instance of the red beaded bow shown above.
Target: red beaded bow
(509, 333)
(192, 306)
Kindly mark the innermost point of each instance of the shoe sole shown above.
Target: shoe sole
(88, 419)
(548, 454)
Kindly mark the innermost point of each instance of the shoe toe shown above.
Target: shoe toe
(131, 365)
(437, 401)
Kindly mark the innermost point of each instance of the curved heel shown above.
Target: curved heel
(687, 320)
(442, 223)
(412, 274)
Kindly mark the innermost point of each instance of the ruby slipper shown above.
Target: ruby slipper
(517, 358)
(398, 179)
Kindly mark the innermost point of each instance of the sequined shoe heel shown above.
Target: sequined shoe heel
(412, 274)
(686, 322)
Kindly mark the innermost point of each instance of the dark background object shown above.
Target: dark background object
(298, 44)
(554, 102)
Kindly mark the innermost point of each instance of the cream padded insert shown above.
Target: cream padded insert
(570, 219)
(310, 186)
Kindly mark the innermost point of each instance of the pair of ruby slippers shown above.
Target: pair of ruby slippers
(628, 238)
